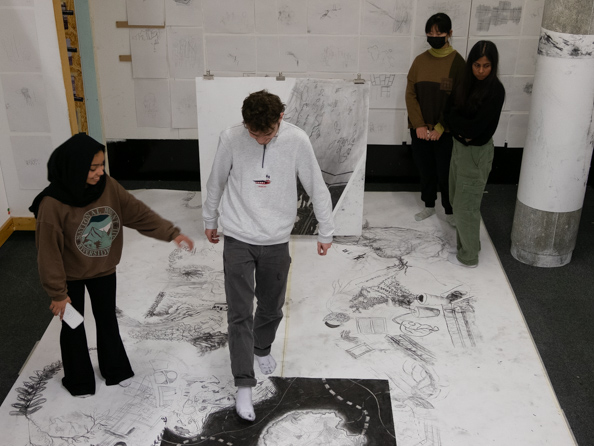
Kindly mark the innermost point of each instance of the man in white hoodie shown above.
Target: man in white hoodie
(254, 179)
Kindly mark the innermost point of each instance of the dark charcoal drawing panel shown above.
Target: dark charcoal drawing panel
(306, 223)
(363, 404)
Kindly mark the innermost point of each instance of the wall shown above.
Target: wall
(3, 201)
(317, 38)
(39, 27)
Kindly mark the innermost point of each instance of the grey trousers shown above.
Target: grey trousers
(260, 271)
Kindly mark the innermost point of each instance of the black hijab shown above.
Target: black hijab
(67, 171)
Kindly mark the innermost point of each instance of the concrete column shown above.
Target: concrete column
(560, 138)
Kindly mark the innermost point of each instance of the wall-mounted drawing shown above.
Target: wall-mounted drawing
(19, 49)
(153, 108)
(384, 54)
(281, 17)
(31, 153)
(333, 54)
(231, 53)
(148, 47)
(332, 16)
(387, 17)
(230, 17)
(24, 100)
(183, 104)
(183, 12)
(496, 17)
(145, 12)
(185, 52)
(517, 129)
(387, 127)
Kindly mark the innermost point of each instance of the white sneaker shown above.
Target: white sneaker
(427, 212)
(125, 383)
(451, 220)
(453, 259)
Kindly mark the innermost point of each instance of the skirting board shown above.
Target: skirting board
(16, 224)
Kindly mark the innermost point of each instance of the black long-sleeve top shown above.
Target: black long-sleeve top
(479, 127)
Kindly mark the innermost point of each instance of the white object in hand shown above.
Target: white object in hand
(72, 317)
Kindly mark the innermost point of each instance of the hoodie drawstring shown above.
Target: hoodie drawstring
(263, 155)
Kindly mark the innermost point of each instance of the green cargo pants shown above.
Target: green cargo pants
(469, 170)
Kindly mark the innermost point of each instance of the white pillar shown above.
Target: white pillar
(558, 149)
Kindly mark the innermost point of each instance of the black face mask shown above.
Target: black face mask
(436, 42)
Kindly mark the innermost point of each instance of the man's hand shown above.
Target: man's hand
(59, 306)
(433, 135)
(423, 133)
(211, 235)
(323, 248)
(184, 242)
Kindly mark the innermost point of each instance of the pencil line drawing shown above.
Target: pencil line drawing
(502, 14)
(384, 82)
(398, 17)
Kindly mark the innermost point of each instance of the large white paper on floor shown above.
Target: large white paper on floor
(19, 50)
(24, 100)
(461, 364)
(334, 114)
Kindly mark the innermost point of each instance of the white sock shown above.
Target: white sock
(126, 382)
(267, 364)
(243, 403)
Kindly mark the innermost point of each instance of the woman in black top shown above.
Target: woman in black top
(473, 115)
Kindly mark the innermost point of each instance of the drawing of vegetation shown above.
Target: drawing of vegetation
(30, 396)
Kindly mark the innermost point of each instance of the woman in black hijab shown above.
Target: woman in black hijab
(79, 241)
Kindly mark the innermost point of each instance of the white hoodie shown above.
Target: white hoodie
(258, 186)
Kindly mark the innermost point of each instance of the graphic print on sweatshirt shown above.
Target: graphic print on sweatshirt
(264, 182)
(99, 227)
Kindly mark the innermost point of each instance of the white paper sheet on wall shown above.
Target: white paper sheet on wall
(148, 47)
(231, 16)
(282, 53)
(281, 17)
(24, 99)
(332, 16)
(387, 17)
(387, 90)
(517, 129)
(334, 54)
(152, 103)
(231, 53)
(457, 10)
(145, 12)
(527, 52)
(386, 127)
(384, 54)
(183, 104)
(31, 153)
(19, 49)
(532, 17)
(185, 52)
(496, 18)
(183, 13)
(20, 3)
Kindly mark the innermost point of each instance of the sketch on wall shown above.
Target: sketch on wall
(332, 16)
(153, 108)
(496, 17)
(230, 17)
(385, 54)
(281, 53)
(281, 17)
(458, 10)
(231, 53)
(148, 47)
(185, 52)
(31, 153)
(24, 100)
(333, 113)
(387, 17)
(19, 49)
(183, 104)
(333, 54)
(145, 12)
(183, 12)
